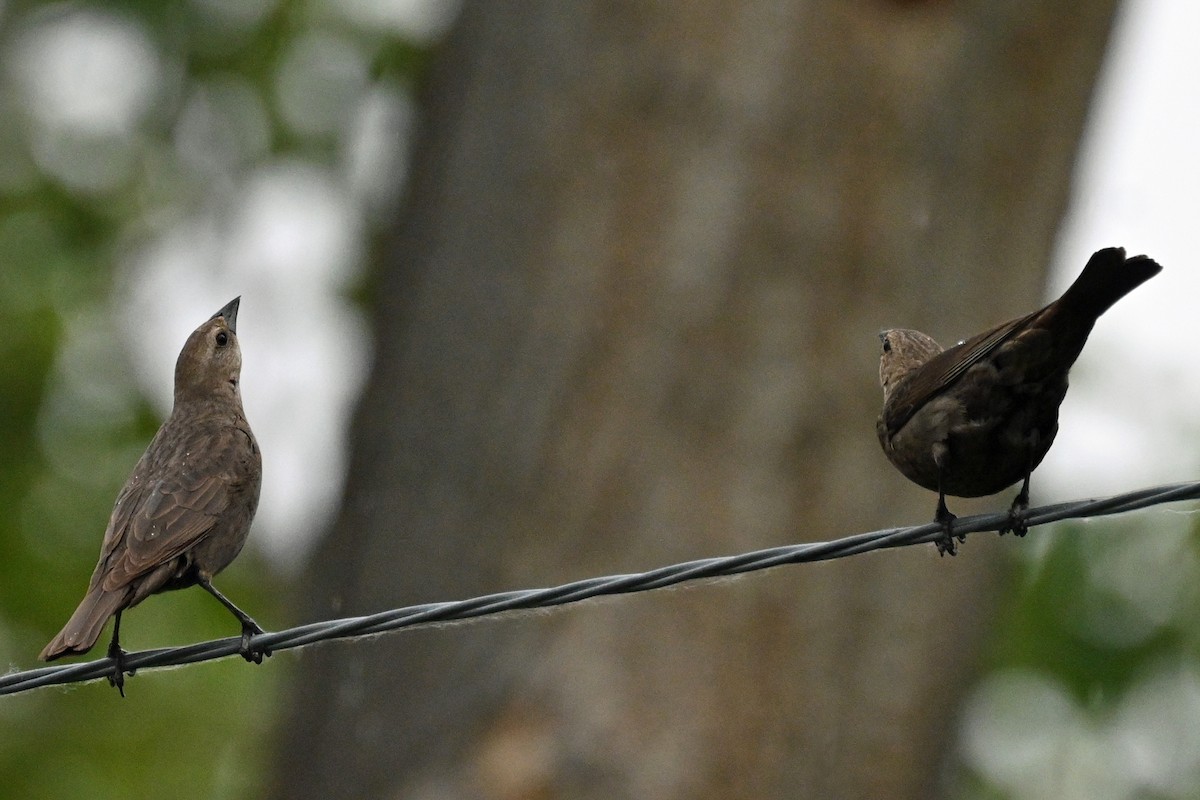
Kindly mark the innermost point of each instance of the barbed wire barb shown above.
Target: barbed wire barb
(576, 591)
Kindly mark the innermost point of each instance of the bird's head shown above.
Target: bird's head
(902, 351)
(210, 364)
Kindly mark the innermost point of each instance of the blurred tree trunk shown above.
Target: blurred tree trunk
(630, 319)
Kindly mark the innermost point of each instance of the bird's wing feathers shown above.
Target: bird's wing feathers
(935, 375)
(981, 346)
(156, 520)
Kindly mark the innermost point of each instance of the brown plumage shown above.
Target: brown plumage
(184, 513)
(974, 419)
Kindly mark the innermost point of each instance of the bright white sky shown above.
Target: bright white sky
(1130, 419)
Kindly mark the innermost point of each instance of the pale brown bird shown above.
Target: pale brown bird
(184, 513)
(974, 419)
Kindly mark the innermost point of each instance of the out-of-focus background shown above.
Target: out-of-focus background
(605, 279)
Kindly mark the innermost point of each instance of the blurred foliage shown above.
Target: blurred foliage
(72, 422)
(1041, 628)
(1092, 684)
(1074, 615)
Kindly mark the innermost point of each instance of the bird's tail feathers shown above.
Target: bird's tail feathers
(1107, 278)
(84, 627)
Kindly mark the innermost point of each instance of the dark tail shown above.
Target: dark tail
(1107, 278)
(84, 627)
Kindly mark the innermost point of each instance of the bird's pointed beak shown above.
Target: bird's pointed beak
(229, 312)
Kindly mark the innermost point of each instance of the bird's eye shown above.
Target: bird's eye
(222, 338)
(887, 345)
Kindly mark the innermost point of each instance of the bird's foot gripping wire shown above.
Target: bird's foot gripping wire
(117, 678)
(250, 628)
(1016, 513)
(943, 517)
(248, 651)
(1016, 522)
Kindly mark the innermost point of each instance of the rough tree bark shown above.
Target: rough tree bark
(630, 319)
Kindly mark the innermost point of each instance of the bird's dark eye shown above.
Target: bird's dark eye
(222, 338)
(887, 345)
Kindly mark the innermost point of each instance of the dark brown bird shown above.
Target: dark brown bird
(184, 513)
(974, 419)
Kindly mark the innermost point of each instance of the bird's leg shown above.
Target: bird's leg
(945, 542)
(1016, 513)
(943, 517)
(249, 626)
(117, 678)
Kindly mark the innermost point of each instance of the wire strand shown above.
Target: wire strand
(574, 592)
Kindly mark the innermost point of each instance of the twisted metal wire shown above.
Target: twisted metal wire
(574, 592)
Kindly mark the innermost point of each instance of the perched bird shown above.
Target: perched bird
(184, 513)
(974, 419)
